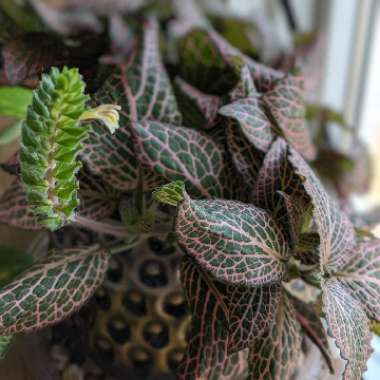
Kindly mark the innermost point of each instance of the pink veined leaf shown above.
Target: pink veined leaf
(280, 190)
(142, 88)
(307, 249)
(199, 110)
(245, 157)
(254, 123)
(97, 199)
(31, 54)
(251, 311)
(275, 354)
(361, 276)
(210, 63)
(349, 326)
(51, 289)
(235, 242)
(336, 232)
(343, 304)
(263, 76)
(179, 153)
(312, 326)
(207, 355)
(286, 104)
(245, 87)
(15, 210)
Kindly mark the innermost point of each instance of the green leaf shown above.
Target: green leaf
(251, 311)
(238, 32)
(245, 157)
(361, 276)
(349, 326)
(51, 289)
(14, 101)
(97, 199)
(307, 249)
(279, 190)
(209, 62)
(171, 194)
(50, 143)
(236, 242)
(10, 133)
(275, 354)
(5, 342)
(179, 153)
(336, 233)
(311, 324)
(142, 88)
(12, 262)
(285, 103)
(199, 110)
(203, 65)
(252, 120)
(15, 209)
(207, 354)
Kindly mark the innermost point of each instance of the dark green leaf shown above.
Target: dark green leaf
(275, 354)
(12, 262)
(179, 153)
(349, 326)
(236, 242)
(51, 289)
(142, 88)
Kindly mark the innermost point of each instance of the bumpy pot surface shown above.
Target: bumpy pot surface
(136, 324)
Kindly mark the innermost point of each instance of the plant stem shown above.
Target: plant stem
(114, 229)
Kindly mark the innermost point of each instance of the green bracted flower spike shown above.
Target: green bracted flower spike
(51, 139)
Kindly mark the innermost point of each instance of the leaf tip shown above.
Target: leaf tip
(172, 193)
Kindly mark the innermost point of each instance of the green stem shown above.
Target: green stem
(114, 228)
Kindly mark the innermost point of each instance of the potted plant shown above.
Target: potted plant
(184, 210)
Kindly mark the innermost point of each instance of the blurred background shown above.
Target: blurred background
(342, 70)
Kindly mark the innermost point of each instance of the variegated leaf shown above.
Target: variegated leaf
(207, 355)
(280, 190)
(97, 199)
(274, 355)
(245, 87)
(286, 104)
(252, 120)
(209, 62)
(179, 153)
(264, 77)
(143, 90)
(312, 325)
(203, 65)
(349, 326)
(15, 210)
(251, 312)
(236, 242)
(245, 157)
(51, 289)
(336, 233)
(361, 276)
(199, 110)
(307, 249)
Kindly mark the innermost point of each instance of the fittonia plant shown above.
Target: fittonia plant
(225, 146)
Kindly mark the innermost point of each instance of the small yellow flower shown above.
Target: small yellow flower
(108, 114)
